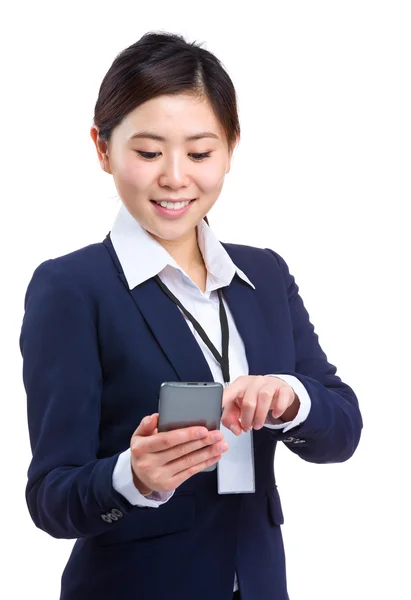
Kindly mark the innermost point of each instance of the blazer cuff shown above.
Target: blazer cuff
(123, 483)
(305, 405)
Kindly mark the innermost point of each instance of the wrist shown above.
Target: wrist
(291, 412)
(143, 489)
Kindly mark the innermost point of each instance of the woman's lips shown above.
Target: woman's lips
(172, 213)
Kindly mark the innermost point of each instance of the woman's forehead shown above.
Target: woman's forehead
(177, 116)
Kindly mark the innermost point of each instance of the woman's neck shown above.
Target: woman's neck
(185, 252)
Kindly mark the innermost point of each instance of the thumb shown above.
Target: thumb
(147, 426)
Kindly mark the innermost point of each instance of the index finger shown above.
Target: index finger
(234, 390)
(168, 439)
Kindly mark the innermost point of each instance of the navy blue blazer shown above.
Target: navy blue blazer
(94, 356)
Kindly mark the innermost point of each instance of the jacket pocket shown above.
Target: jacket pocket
(275, 510)
(176, 515)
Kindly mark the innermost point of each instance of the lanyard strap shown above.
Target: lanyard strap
(222, 359)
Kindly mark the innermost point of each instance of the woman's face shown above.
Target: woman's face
(169, 148)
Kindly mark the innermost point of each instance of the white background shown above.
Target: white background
(321, 175)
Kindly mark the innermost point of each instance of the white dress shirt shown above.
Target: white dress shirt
(141, 258)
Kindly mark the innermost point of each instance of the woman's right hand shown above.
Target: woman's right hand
(163, 461)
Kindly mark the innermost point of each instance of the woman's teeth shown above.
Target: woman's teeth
(174, 205)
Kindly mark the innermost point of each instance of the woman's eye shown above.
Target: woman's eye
(148, 155)
(198, 156)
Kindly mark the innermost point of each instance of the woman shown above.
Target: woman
(102, 331)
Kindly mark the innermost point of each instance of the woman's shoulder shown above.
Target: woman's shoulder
(79, 268)
(253, 255)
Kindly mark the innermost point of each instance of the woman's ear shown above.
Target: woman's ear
(102, 150)
(230, 155)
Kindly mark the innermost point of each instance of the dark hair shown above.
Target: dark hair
(165, 63)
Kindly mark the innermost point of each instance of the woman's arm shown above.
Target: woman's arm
(69, 491)
(333, 426)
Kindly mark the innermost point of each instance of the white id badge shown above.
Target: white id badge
(235, 470)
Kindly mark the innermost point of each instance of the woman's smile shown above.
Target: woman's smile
(172, 210)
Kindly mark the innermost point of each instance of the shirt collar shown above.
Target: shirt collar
(142, 257)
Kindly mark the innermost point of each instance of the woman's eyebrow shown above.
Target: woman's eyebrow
(159, 138)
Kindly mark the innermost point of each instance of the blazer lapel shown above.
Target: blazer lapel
(259, 347)
(167, 325)
(172, 332)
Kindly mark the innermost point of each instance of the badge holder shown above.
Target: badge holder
(235, 469)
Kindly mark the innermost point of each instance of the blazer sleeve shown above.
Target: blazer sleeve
(69, 491)
(332, 429)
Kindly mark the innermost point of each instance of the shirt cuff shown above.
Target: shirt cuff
(123, 483)
(305, 405)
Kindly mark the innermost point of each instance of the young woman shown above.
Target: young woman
(161, 299)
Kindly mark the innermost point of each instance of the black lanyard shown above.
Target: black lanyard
(222, 359)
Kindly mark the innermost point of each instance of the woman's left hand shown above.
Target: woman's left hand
(248, 400)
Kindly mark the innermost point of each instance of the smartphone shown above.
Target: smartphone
(184, 404)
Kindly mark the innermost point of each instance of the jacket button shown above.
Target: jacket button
(288, 440)
(117, 513)
(106, 518)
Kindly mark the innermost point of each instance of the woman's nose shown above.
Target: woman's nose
(174, 173)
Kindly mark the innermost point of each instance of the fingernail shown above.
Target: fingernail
(148, 419)
(216, 437)
(235, 429)
(222, 447)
